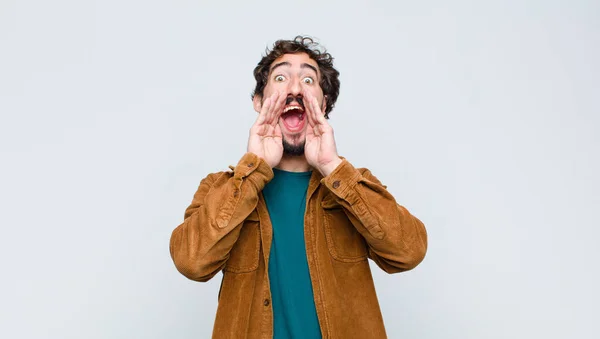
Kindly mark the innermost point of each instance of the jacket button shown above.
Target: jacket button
(236, 192)
(251, 164)
(336, 184)
(267, 302)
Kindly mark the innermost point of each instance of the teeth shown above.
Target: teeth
(289, 108)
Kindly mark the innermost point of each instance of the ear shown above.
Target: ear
(257, 103)
(324, 104)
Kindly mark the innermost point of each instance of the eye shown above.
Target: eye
(308, 80)
(279, 78)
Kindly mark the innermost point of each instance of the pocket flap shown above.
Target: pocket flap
(253, 216)
(330, 202)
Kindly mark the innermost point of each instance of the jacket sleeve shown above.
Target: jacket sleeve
(397, 240)
(200, 246)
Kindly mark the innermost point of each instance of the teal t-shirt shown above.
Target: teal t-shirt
(294, 313)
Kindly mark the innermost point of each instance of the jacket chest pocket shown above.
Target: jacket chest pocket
(244, 255)
(343, 240)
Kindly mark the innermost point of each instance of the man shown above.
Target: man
(292, 225)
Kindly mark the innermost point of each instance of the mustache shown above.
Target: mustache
(291, 99)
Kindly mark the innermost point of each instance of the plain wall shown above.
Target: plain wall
(482, 119)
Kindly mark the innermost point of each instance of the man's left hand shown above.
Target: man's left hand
(320, 150)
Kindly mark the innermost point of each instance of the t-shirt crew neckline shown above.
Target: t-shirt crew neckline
(299, 174)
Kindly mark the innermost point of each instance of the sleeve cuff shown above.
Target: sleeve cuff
(254, 167)
(343, 178)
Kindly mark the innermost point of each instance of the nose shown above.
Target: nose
(295, 88)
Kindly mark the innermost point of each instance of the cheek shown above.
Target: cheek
(319, 95)
(274, 87)
(267, 91)
(317, 92)
(270, 85)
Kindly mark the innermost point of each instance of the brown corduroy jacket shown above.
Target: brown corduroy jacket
(350, 217)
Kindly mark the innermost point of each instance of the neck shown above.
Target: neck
(293, 163)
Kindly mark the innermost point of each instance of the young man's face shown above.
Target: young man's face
(291, 75)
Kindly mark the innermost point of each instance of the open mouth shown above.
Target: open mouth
(293, 117)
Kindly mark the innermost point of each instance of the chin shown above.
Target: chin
(293, 149)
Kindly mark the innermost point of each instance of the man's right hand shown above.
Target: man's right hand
(265, 135)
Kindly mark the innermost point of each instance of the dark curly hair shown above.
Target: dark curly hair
(330, 83)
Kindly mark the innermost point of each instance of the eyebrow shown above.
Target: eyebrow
(304, 65)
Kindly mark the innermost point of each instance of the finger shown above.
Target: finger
(277, 108)
(318, 113)
(314, 106)
(263, 112)
(321, 125)
(308, 108)
(269, 117)
(314, 110)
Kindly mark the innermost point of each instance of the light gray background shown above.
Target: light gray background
(481, 117)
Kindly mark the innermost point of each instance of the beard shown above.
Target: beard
(293, 150)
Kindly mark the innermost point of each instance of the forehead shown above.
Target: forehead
(296, 60)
